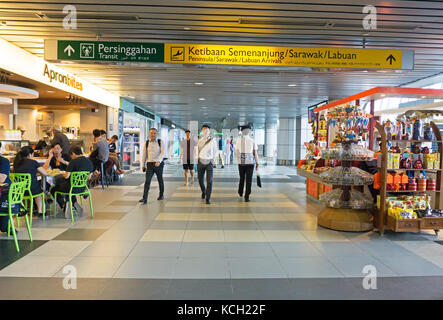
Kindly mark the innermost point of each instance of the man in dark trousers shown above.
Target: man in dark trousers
(207, 151)
(187, 155)
(246, 152)
(152, 163)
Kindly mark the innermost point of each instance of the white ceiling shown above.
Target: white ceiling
(255, 94)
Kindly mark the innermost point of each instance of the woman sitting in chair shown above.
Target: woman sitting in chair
(23, 163)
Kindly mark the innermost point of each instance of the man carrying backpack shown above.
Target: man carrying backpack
(152, 163)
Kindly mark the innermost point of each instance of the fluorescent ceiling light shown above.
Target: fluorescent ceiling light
(201, 99)
(198, 83)
(292, 85)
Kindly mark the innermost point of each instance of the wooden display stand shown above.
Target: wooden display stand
(314, 184)
(344, 219)
(384, 221)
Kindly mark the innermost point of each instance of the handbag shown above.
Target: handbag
(4, 204)
(258, 179)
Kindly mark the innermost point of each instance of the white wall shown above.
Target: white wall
(67, 118)
(89, 121)
(28, 119)
(112, 128)
(4, 116)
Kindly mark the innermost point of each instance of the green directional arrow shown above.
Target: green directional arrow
(110, 51)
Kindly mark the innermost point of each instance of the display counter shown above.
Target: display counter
(314, 184)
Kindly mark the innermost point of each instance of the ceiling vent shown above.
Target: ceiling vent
(86, 16)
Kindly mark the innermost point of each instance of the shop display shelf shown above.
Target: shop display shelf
(416, 141)
(431, 223)
(411, 225)
(403, 225)
(409, 191)
(403, 169)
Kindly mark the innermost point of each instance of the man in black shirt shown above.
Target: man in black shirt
(78, 163)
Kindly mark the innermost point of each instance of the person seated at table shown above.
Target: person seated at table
(57, 159)
(78, 163)
(4, 178)
(23, 163)
(100, 150)
(112, 144)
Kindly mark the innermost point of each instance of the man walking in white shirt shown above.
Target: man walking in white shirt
(246, 153)
(152, 163)
(207, 150)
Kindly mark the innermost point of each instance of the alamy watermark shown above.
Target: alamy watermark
(70, 280)
(70, 21)
(370, 278)
(370, 20)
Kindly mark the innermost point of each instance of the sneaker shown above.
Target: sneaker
(143, 201)
(78, 208)
(208, 201)
(186, 184)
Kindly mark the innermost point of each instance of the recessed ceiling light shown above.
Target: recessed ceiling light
(292, 85)
(201, 99)
(198, 83)
(187, 28)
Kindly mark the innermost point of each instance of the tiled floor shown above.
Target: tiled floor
(181, 248)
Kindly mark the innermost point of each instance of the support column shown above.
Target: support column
(270, 147)
(298, 139)
(286, 141)
(193, 127)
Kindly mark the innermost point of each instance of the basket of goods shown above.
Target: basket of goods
(347, 176)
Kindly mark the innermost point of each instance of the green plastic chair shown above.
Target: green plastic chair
(77, 179)
(15, 196)
(26, 177)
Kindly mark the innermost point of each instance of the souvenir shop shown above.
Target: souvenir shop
(377, 170)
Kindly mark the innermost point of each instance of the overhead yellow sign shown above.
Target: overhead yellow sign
(289, 56)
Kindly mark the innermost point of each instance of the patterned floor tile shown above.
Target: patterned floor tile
(80, 234)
